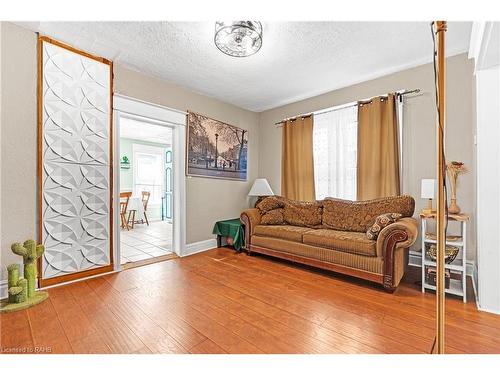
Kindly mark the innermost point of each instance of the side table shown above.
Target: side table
(458, 285)
(230, 228)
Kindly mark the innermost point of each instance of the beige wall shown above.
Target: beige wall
(18, 139)
(208, 200)
(419, 128)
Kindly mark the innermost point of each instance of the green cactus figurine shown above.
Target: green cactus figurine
(13, 271)
(23, 283)
(15, 294)
(22, 293)
(30, 252)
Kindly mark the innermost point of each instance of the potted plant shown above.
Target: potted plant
(124, 162)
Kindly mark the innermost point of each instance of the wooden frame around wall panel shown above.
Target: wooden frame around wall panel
(93, 271)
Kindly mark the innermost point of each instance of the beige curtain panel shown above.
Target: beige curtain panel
(297, 169)
(378, 149)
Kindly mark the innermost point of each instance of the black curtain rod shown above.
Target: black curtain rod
(337, 108)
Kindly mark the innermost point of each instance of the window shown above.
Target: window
(335, 153)
(149, 172)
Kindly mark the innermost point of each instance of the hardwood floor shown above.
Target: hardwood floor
(222, 302)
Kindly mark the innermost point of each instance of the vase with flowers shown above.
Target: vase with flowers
(454, 169)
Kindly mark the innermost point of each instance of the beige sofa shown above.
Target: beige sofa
(331, 234)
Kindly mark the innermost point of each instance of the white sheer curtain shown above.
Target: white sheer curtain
(401, 141)
(335, 153)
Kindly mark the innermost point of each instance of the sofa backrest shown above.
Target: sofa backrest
(277, 210)
(303, 214)
(358, 216)
(332, 213)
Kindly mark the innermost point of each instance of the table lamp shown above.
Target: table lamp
(427, 192)
(260, 189)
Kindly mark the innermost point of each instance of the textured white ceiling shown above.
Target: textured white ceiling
(143, 131)
(297, 60)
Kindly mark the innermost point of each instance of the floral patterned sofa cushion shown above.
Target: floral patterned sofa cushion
(271, 209)
(303, 214)
(270, 203)
(350, 242)
(358, 216)
(283, 232)
(273, 217)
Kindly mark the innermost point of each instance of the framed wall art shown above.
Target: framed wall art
(216, 149)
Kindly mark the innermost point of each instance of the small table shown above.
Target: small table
(230, 228)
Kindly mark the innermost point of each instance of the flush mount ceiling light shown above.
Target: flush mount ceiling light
(238, 38)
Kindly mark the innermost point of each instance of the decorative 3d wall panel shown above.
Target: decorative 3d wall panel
(75, 136)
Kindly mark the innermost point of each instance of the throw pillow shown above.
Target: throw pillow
(270, 203)
(380, 223)
(273, 217)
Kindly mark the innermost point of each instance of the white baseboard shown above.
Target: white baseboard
(3, 289)
(489, 311)
(474, 287)
(4, 283)
(478, 302)
(78, 280)
(198, 247)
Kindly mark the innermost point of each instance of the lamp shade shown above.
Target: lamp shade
(260, 188)
(427, 189)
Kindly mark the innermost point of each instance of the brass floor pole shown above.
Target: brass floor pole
(441, 223)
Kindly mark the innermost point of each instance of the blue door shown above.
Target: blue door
(168, 185)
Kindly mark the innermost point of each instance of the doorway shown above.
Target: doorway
(145, 215)
(149, 190)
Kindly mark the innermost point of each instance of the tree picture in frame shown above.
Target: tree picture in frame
(215, 149)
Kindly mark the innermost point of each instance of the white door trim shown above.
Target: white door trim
(128, 107)
(137, 107)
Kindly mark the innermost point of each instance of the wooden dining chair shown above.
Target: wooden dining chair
(124, 198)
(145, 200)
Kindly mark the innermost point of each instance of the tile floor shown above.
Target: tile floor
(145, 242)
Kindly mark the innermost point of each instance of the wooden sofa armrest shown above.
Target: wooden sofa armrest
(407, 225)
(395, 237)
(250, 218)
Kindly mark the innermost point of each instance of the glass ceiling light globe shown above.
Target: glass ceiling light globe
(238, 38)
